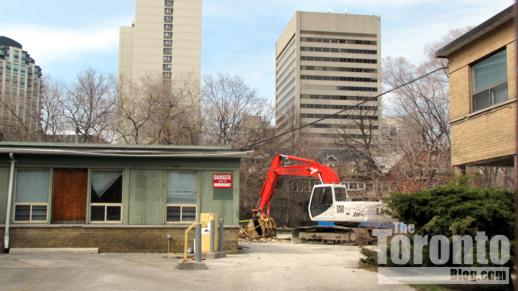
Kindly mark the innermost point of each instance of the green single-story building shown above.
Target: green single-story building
(118, 198)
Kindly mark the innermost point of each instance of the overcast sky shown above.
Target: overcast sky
(65, 36)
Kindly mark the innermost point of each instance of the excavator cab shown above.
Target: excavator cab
(322, 199)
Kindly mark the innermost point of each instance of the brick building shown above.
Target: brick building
(20, 91)
(118, 198)
(482, 73)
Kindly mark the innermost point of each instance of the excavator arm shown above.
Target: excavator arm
(303, 168)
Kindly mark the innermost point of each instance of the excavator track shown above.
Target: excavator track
(332, 235)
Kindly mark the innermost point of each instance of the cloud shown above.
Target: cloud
(50, 44)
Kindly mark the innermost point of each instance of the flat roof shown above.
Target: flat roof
(6, 41)
(477, 32)
(120, 150)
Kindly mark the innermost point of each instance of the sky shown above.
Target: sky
(67, 36)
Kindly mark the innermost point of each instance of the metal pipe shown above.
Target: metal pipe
(186, 241)
(221, 229)
(197, 243)
(9, 203)
(516, 138)
(212, 227)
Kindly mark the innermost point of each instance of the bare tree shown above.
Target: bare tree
(231, 109)
(151, 111)
(52, 99)
(135, 106)
(424, 105)
(89, 105)
(14, 126)
(177, 119)
(358, 138)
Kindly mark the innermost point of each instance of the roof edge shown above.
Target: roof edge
(113, 146)
(476, 32)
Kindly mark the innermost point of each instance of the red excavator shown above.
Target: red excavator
(339, 218)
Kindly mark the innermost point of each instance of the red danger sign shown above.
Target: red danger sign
(223, 181)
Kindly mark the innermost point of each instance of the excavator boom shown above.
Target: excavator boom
(303, 168)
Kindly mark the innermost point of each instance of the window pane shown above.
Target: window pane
(32, 186)
(173, 213)
(97, 213)
(39, 213)
(114, 213)
(22, 213)
(490, 71)
(321, 201)
(481, 100)
(181, 187)
(188, 213)
(500, 93)
(340, 194)
(106, 187)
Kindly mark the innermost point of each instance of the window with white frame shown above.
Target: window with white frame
(106, 196)
(489, 81)
(32, 194)
(355, 186)
(181, 196)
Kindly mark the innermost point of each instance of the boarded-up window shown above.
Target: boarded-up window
(32, 192)
(69, 195)
(146, 197)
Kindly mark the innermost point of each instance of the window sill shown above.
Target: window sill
(483, 111)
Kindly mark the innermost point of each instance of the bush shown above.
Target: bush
(457, 209)
(370, 258)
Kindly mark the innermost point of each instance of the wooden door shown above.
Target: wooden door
(69, 195)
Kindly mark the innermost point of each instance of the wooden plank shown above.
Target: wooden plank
(69, 195)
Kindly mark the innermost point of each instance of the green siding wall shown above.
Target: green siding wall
(145, 184)
(146, 202)
(4, 187)
(219, 203)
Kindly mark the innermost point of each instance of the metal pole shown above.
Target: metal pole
(221, 229)
(197, 243)
(9, 202)
(212, 227)
(516, 141)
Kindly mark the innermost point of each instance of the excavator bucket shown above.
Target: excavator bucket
(261, 227)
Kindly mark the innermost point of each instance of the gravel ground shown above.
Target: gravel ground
(262, 266)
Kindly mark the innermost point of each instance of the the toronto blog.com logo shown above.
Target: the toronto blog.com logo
(405, 257)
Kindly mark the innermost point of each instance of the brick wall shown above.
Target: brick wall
(108, 239)
(490, 134)
(485, 136)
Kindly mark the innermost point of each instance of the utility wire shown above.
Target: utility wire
(343, 110)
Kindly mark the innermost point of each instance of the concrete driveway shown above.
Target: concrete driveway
(263, 266)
